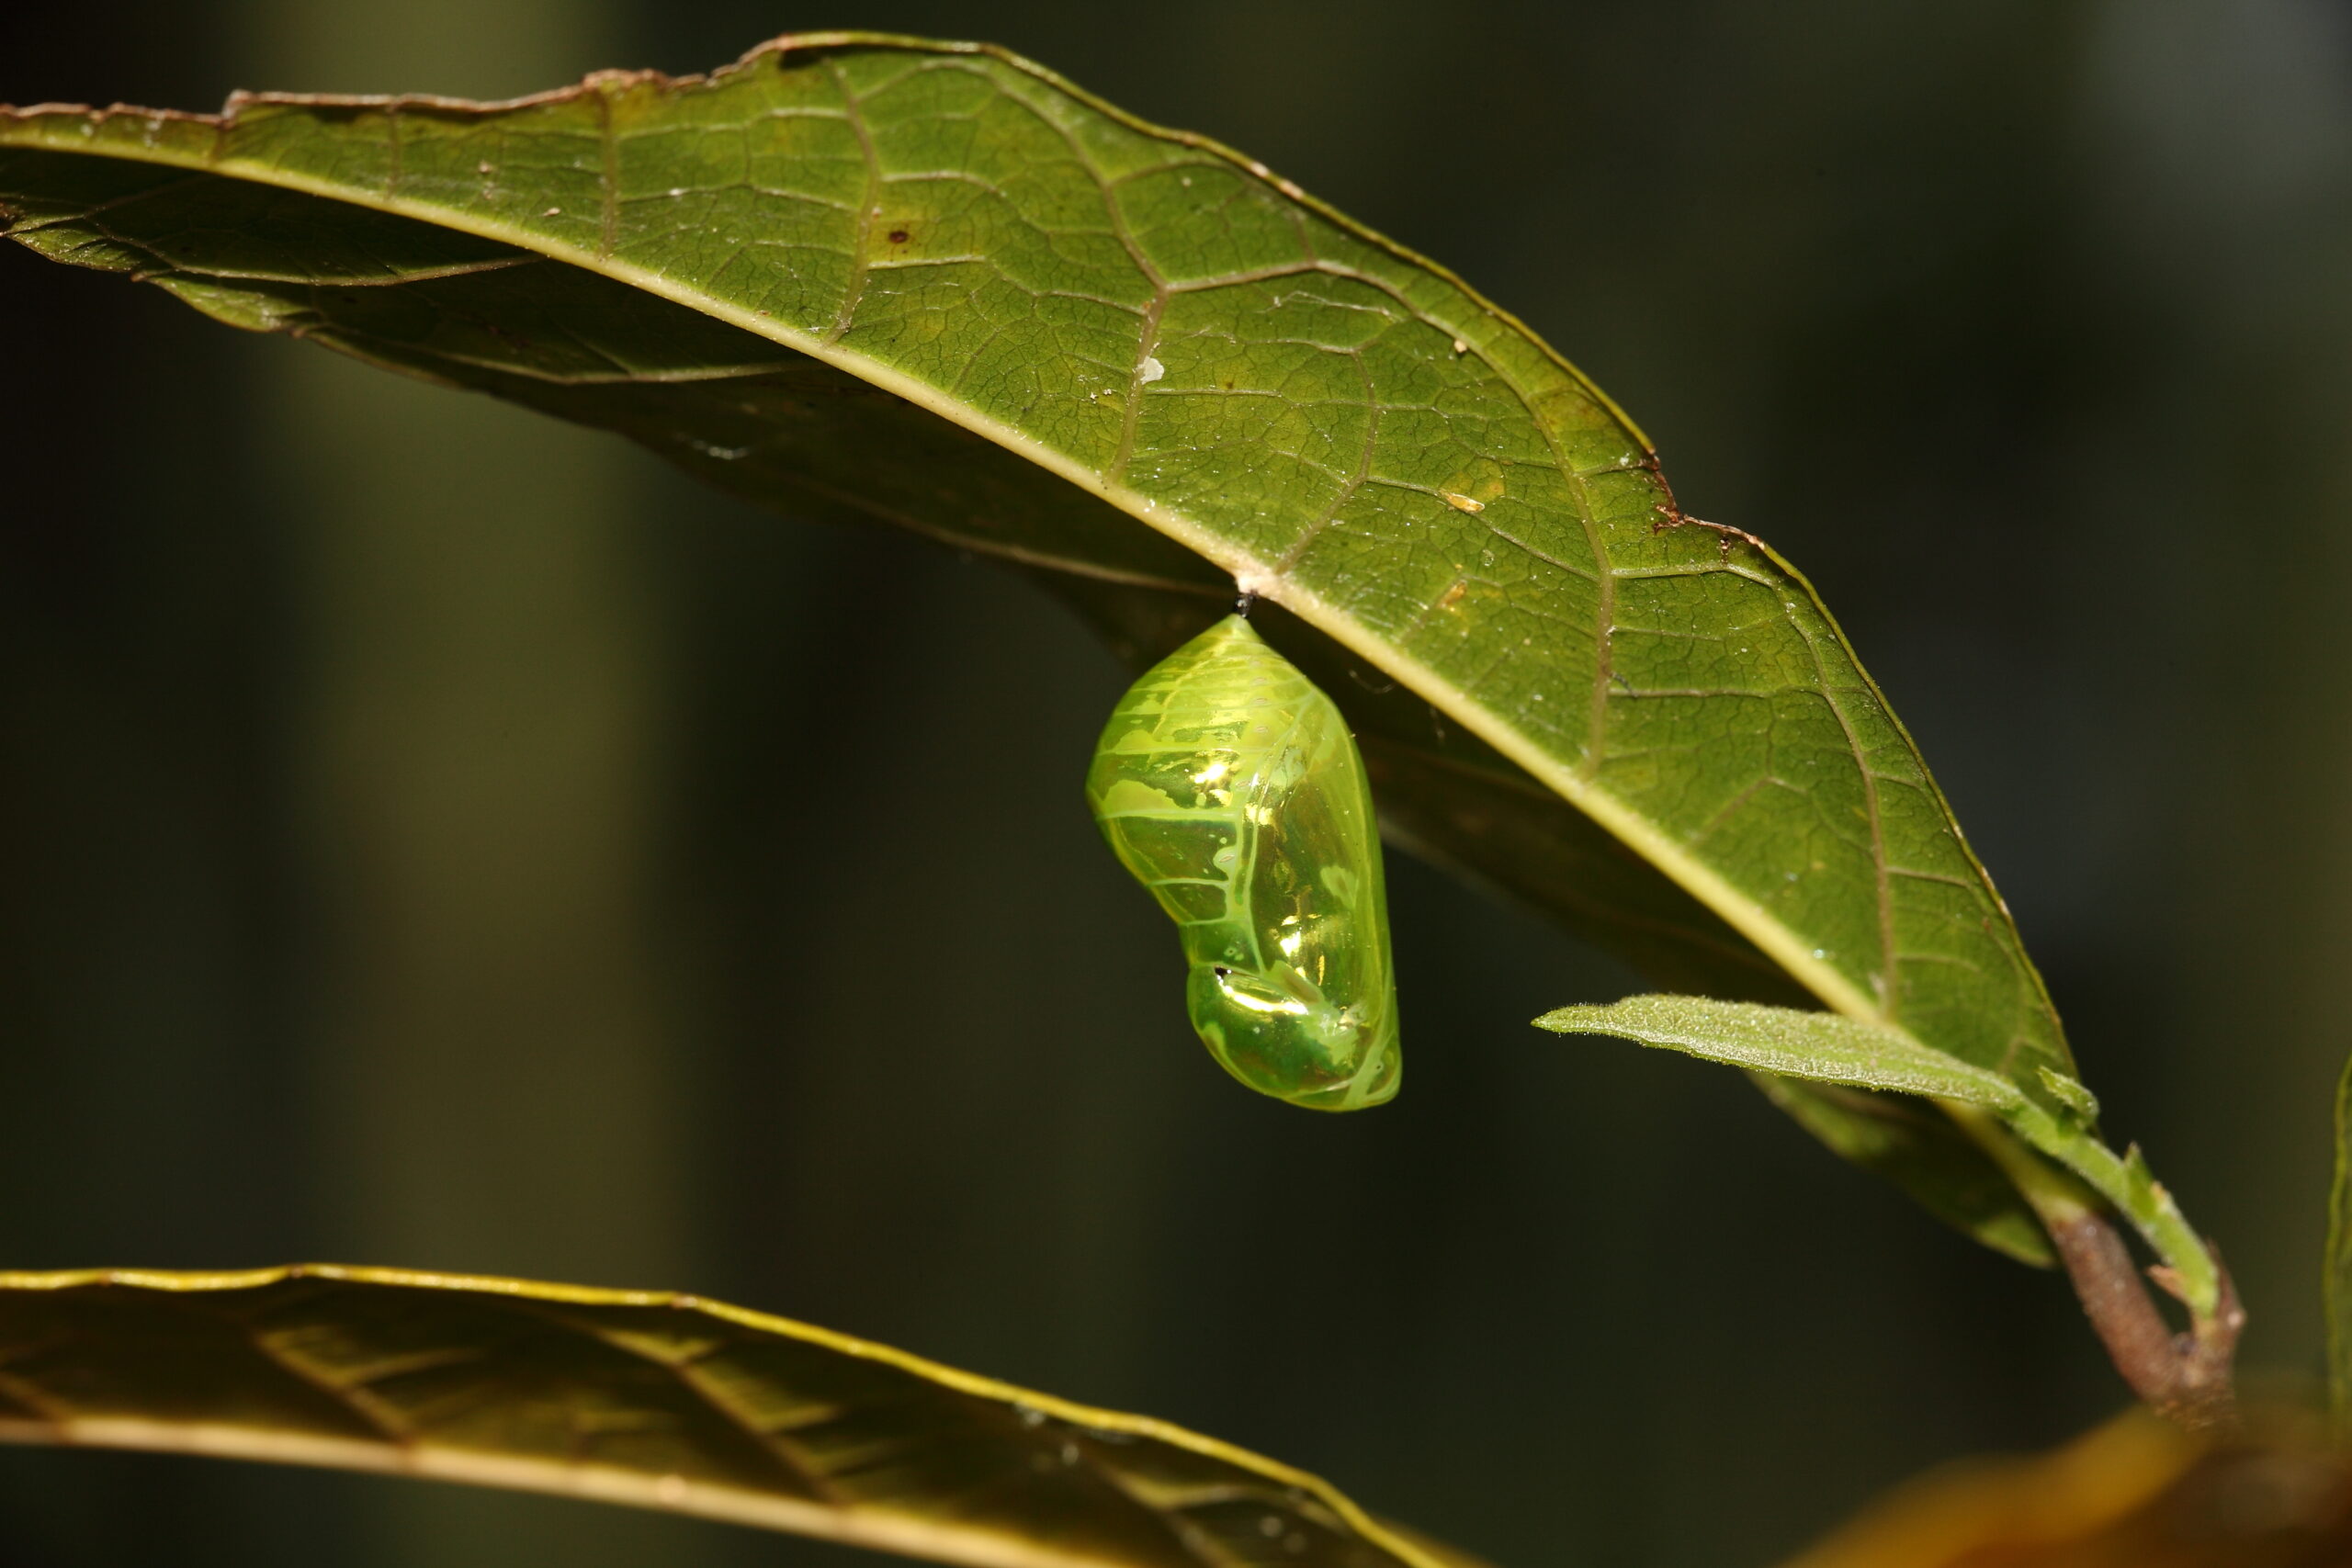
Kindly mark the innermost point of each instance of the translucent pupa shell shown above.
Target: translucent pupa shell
(1228, 782)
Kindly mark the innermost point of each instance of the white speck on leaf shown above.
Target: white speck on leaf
(1152, 371)
(1460, 348)
(1463, 503)
(553, 212)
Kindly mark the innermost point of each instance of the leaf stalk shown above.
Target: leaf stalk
(2187, 1377)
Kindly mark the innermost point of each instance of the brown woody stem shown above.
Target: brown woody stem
(2184, 1376)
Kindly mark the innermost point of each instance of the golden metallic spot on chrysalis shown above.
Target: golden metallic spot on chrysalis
(1229, 786)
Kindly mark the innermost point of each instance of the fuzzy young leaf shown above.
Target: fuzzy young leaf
(1818, 1046)
(1844, 1083)
(1821, 1047)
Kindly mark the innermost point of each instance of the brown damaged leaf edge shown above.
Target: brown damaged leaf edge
(651, 1399)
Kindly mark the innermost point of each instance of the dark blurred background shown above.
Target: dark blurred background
(432, 836)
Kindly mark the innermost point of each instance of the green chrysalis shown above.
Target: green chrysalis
(1228, 782)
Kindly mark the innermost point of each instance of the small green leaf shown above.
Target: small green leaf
(1824, 1048)
(655, 1399)
(2071, 1094)
(1819, 1046)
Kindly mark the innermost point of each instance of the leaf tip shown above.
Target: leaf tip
(2070, 1094)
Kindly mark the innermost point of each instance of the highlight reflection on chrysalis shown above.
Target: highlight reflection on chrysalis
(1228, 782)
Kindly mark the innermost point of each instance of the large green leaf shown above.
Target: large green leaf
(935, 285)
(653, 1399)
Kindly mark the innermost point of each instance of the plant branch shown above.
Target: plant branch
(2184, 1376)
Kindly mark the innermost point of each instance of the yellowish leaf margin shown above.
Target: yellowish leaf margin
(609, 1483)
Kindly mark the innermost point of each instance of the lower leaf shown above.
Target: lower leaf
(657, 1400)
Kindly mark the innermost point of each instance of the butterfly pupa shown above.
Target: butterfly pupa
(1229, 784)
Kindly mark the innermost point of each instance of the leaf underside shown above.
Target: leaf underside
(1792, 1043)
(1844, 1054)
(932, 284)
(651, 1399)
(1853, 1088)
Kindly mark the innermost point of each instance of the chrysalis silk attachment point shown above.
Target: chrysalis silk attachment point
(1228, 782)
